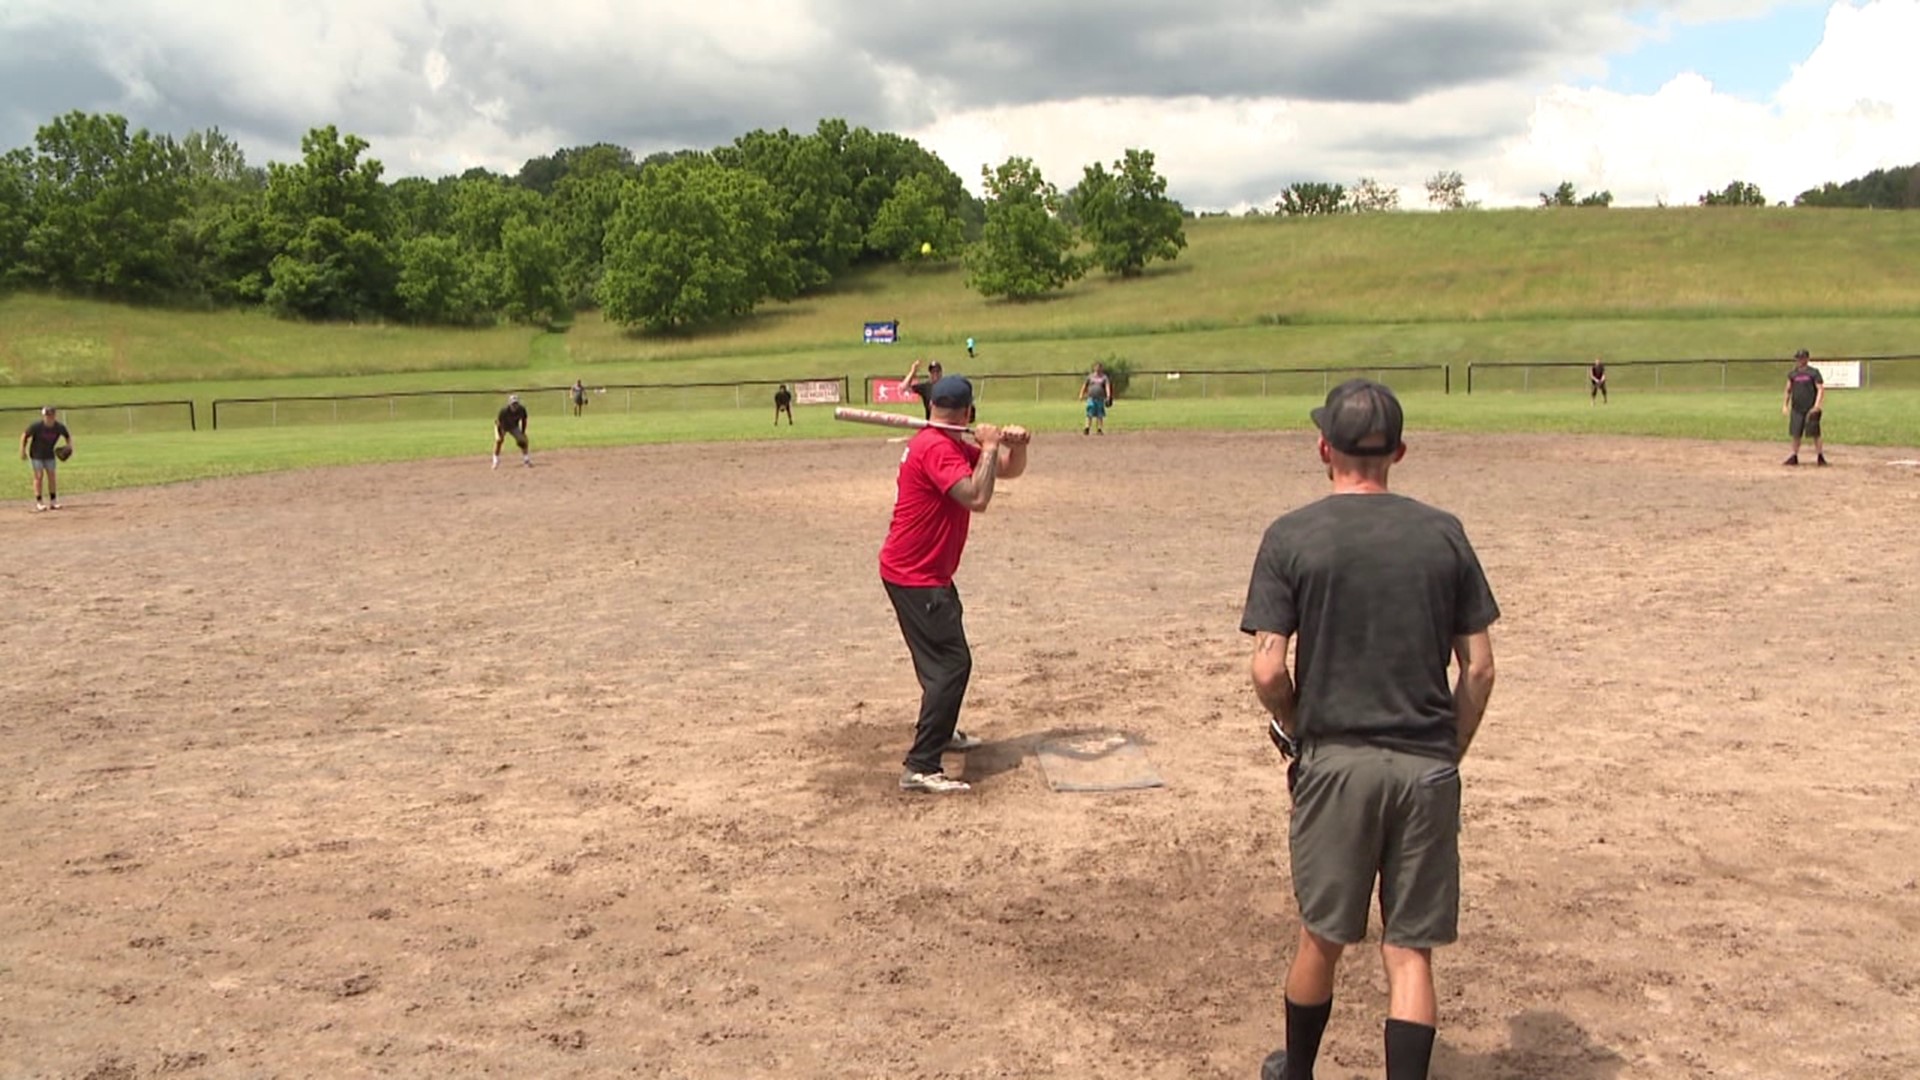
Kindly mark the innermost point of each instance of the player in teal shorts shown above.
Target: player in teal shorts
(1097, 392)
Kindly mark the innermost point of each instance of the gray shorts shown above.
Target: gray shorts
(1362, 814)
(44, 465)
(1807, 424)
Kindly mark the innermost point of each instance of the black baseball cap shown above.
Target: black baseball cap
(1801, 355)
(1361, 418)
(951, 392)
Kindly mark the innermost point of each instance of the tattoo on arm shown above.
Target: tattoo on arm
(976, 491)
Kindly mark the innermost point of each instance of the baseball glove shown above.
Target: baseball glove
(63, 452)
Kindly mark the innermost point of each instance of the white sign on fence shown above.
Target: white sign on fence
(818, 392)
(1838, 374)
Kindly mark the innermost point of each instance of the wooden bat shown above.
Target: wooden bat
(887, 419)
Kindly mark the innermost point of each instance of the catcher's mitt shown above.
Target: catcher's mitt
(63, 452)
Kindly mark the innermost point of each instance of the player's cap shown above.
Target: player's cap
(935, 366)
(513, 399)
(1361, 418)
(951, 392)
(47, 410)
(1801, 355)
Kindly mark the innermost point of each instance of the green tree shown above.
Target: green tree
(436, 282)
(1025, 250)
(329, 214)
(1370, 196)
(1564, 195)
(1308, 199)
(105, 207)
(1882, 189)
(693, 242)
(16, 210)
(822, 234)
(1127, 215)
(918, 217)
(877, 163)
(1601, 199)
(582, 207)
(1737, 193)
(529, 288)
(217, 166)
(1447, 190)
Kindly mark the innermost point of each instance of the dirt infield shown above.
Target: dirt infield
(588, 770)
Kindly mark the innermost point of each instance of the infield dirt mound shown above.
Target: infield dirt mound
(588, 770)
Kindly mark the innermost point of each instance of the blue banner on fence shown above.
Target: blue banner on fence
(881, 333)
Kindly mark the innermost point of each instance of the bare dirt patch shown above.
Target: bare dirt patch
(589, 770)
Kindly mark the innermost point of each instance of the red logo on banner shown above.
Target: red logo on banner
(893, 392)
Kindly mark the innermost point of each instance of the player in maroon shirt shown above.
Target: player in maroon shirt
(943, 482)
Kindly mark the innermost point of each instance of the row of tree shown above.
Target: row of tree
(1897, 188)
(672, 241)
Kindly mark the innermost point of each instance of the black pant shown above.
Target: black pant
(930, 621)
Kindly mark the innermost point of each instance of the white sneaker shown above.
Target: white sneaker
(932, 783)
(527, 461)
(496, 461)
(38, 506)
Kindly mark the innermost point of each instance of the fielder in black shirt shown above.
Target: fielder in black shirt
(923, 388)
(782, 403)
(40, 445)
(511, 423)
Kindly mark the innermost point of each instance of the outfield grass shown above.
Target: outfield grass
(1878, 418)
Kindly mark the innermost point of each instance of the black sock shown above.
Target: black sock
(1305, 1025)
(1409, 1050)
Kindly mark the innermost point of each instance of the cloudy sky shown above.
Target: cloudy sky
(1655, 99)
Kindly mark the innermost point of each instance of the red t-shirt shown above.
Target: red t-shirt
(929, 527)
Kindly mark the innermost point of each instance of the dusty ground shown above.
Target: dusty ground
(589, 770)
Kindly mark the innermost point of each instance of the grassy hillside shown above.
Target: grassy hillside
(1247, 293)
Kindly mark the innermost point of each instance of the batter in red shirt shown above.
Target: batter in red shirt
(944, 481)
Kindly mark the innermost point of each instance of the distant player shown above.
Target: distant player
(40, 445)
(782, 403)
(1806, 399)
(1097, 392)
(579, 395)
(969, 348)
(922, 389)
(512, 421)
(1597, 381)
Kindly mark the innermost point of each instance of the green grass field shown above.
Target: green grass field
(1877, 418)
(1249, 294)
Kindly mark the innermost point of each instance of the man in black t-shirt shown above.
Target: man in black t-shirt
(1379, 592)
(922, 388)
(511, 423)
(782, 403)
(1806, 400)
(39, 444)
(1597, 380)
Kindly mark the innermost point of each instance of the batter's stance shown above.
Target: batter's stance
(1379, 590)
(943, 482)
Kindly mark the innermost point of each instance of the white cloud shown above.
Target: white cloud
(1852, 107)
(1236, 100)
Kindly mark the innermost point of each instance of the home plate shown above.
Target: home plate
(1097, 761)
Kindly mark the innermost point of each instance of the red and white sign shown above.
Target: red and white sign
(893, 392)
(817, 392)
